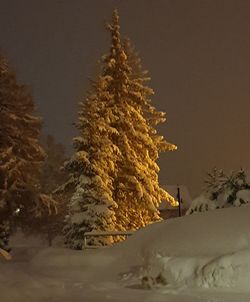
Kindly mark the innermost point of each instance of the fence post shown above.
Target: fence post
(179, 200)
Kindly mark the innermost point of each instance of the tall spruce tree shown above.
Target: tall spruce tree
(114, 167)
(20, 152)
(137, 190)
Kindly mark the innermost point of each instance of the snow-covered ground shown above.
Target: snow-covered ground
(201, 257)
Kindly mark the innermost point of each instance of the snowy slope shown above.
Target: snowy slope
(202, 257)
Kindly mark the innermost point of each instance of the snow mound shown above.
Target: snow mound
(207, 250)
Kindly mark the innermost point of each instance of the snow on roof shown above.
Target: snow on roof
(172, 190)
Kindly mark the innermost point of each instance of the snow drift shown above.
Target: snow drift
(180, 257)
(207, 250)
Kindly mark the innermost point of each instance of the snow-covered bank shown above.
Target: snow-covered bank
(203, 257)
(210, 250)
(202, 250)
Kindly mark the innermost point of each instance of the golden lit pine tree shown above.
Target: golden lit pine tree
(114, 167)
(137, 191)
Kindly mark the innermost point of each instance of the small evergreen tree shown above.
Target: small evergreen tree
(215, 183)
(222, 191)
(236, 181)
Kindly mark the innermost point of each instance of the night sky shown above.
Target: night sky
(197, 53)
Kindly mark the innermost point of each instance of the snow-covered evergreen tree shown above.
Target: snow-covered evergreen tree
(235, 182)
(114, 167)
(215, 183)
(92, 168)
(21, 153)
(137, 190)
(222, 191)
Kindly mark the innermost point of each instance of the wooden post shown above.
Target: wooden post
(179, 200)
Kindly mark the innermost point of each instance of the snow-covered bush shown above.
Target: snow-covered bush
(222, 191)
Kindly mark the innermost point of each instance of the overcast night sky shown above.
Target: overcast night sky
(197, 54)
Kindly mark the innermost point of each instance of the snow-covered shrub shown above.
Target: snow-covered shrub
(202, 203)
(222, 191)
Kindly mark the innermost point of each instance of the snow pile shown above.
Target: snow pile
(186, 259)
(206, 250)
(209, 250)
